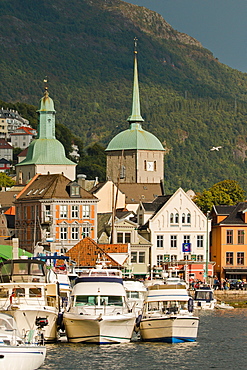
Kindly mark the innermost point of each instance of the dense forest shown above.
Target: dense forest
(189, 100)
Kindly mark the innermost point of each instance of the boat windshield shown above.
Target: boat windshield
(135, 295)
(167, 306)
(83, 300)
(203, 295)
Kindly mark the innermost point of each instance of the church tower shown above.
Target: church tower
(135, 155)
(46, 153)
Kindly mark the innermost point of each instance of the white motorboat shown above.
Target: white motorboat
(16, 352)
(99, 311)
(204, 298)
(223, 306)
(136, 293)
(26, 294)
(168, 315)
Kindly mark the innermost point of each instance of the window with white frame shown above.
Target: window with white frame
(160, 241)
(199, 241)
(173, 257)
(133, 257)
(141, 257)
(176, 218)
(63, 232)
(171, 218)
(63, 211)
(240, 258)
(75, 233)
(86, 211)
(74, 211)
(159, 259)
(85, 231)
(188, 218)
(240, 236)
(199, 258)
(186, 238)
(173, 241)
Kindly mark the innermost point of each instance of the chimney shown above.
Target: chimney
(15, 248)
(81, 179)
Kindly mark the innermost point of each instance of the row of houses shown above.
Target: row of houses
(169, 234)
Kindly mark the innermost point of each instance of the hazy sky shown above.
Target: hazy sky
(220, 25)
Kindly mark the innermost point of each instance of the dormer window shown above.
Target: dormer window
(74, 189)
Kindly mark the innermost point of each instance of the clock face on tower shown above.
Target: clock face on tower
(150, 166)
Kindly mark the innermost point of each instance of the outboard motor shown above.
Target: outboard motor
(190, 305)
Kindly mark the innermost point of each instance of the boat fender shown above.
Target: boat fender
(190, 305)
(138, 321)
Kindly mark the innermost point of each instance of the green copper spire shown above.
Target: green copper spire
(46, 149)
(136, 111)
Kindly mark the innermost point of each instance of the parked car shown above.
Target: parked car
(236, 284)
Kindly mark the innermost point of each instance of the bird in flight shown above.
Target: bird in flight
(216, 148)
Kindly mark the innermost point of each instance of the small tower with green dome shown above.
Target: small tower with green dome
(45, 154)
(135, 155)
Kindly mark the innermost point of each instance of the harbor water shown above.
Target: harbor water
(221, 344)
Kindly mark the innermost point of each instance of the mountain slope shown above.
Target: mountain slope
(189, 100)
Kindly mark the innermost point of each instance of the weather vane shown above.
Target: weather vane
(135, 45)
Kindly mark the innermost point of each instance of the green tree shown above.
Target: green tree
(5, 180)
(224, 192)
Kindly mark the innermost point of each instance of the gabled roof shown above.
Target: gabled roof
(140, 192)
(157, 204)
(24, 131)
(50, 186)
(235, 216)
(223, 209)
(87, 252)
(4, 144)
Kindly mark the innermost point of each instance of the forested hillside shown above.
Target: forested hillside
(189, 100)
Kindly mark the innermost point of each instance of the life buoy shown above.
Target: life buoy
(190, 305)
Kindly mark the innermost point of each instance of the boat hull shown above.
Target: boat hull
(173, 329)
(21, 357)
(25, 318)
(99, 329)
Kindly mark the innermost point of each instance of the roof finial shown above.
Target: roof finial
(135, 45)
(46, 86)
(136, 111)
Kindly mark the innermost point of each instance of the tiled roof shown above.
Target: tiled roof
(87, 252)
(24, 131)
(235, 217)
(50, 186)
(4, 144)
(157, 204)
(140, 192)
(223, 209)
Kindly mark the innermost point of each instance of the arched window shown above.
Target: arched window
(183, 218)
(188, 218)
(171, 218)
(176, 218)
(155, 166)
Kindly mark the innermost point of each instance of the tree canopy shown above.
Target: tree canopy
(224, 192)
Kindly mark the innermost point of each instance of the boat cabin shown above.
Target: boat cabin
(23, 271)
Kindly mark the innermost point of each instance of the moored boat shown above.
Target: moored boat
(204, 298)
(26, 294)
(99, 312)
(168, 315)
(20, 353)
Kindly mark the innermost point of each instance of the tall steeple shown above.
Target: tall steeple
(136, 110)
(46, 153)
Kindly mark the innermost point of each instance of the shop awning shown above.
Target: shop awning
(7, 254)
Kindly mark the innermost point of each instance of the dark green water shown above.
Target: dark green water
(221, 344)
